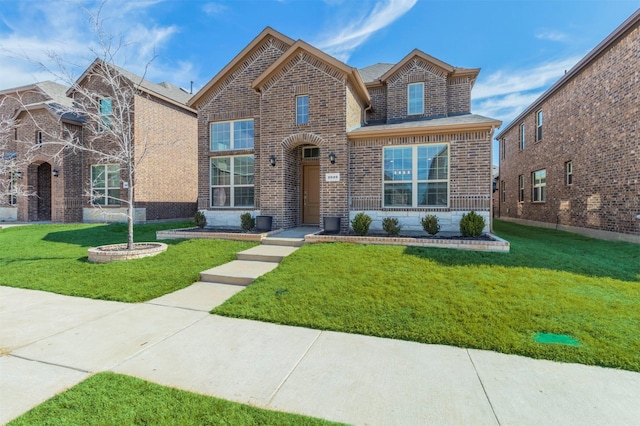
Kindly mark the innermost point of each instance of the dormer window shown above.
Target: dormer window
(415, 99)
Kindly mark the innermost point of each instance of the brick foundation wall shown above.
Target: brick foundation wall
(591, 121)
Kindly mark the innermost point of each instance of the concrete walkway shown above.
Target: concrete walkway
(53, 342)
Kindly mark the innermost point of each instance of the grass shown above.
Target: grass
(113, 399)
(551, 282)
(54, 258)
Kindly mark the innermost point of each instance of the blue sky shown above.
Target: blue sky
(522, 46)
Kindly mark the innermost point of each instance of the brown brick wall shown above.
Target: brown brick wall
(459, 96)
(378, 110)
(591, 121)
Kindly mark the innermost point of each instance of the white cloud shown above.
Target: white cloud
(38, 29)
(552, 35)
(214, 8)
(341, 43)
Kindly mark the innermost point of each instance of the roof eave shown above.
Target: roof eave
(426, 130)
(612, 38)
(421, 54)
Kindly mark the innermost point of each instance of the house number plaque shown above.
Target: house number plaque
(332, 177)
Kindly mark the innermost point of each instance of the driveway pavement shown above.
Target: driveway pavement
(54, 342)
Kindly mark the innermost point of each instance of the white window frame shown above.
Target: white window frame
(302, 118)
(232, 141)
(108, 201)
(522, 136)
(421, 109)
(568, 167)
(414, 180)
(232, 185)
(521, 189)
(539, 118)
(538, 187)
(105, 119)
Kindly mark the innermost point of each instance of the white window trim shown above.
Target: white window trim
(415, 182)
(539, 121)
(541, 185)
(231, 135)
(568, 167)
(106, 187)
(231, 185)
(421, 84)
(298, 123)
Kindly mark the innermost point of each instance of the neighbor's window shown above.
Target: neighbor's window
(106, 113)
(13, 189)
(415, 99)
(229, 135)
(539, 179)
(232, 181)
(504, 191)
(522, 136)
(302, 109)
(568, 166)
(105, 184)
(539, 125)
(521, 191)
(503, 148)
(416, 176)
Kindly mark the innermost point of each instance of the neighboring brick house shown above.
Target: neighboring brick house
(571, 159)
(286, 130)
(76, 186)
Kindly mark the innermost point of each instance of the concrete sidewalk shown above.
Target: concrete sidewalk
(57, 341)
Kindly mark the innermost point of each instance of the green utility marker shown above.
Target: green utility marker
(561, 339)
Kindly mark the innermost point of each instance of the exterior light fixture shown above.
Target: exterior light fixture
(55, 173)
(272, 160)
(332, 158)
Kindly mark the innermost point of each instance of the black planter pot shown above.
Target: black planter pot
(332, 225)
(263, 223)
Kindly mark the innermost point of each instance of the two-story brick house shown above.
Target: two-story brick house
(79, 185)
(288, 131)
(570, 159)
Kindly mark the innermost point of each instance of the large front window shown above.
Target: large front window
(539, 186)
(230, 135)
(232, 181)
(415, 99)
(105, 184)
(416, 176)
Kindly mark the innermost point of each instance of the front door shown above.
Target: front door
(311, 194)
(44, 192)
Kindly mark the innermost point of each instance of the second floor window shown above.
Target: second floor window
(539, 125)
(522, 137)
(232, 135)
(569, 171)
(415, 99)
(39, 138)
(106, 112)
(302, 109)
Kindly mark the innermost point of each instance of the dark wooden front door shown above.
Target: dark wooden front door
(311, 194)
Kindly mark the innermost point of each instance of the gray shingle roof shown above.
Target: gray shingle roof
(374, 72)
(57, 92)
(165, 89)
(434, 122)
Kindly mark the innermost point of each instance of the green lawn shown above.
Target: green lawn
(54, 258)
(550, 282)
(113, 399)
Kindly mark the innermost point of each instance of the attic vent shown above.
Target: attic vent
(301, 89)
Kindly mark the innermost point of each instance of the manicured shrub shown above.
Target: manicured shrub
(391, 226)
(247, 222)
(430, 224)
(361, 223)
(471, 225)
(200, 219)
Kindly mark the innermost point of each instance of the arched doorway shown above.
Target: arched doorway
(40, 205)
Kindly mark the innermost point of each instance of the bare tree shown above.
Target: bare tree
(103, 100)
(11, 187)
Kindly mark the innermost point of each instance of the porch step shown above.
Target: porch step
(266, 253)
(288, 242)
(237, 272)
